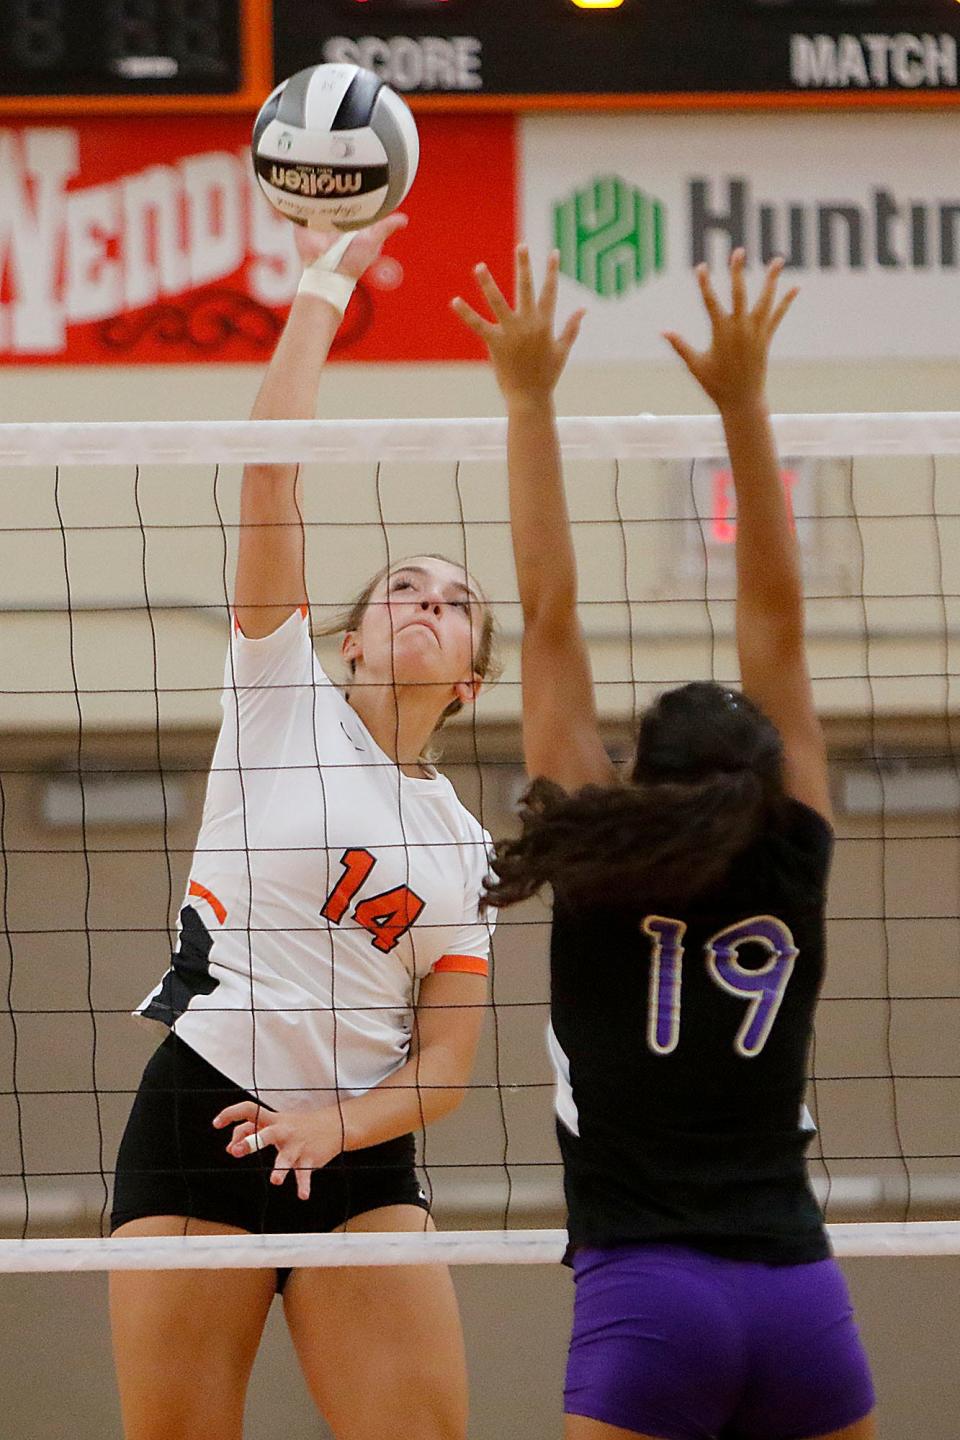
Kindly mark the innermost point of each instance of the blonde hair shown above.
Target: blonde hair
(485, 663)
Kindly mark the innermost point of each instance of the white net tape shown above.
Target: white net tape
(461, 1247)
(867, 644)
(630, 437)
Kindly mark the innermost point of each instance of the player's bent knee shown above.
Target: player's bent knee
(417, 1401)
(439, 1409)
(192, 1424)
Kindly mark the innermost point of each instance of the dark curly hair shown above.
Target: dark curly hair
(707, 774)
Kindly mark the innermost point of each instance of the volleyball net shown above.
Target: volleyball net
(117, 550)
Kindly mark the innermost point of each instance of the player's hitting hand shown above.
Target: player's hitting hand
(305, 1140)
(733, 370)
(363, 250)
(528, 358)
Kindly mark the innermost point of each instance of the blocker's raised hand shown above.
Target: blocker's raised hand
(364, 248)
(528, 358)
(733, 370)
(305, 1140)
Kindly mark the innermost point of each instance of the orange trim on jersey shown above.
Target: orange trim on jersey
(203, 893)
(461, 965)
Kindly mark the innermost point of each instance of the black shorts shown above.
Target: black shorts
(173, 1162)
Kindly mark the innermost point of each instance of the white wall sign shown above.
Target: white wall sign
(865, 209)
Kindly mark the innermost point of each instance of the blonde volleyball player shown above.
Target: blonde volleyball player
(687, 950)
(327, 990)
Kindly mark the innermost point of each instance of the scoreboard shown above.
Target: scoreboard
(225, 55)
(644, 53)
(110, 56)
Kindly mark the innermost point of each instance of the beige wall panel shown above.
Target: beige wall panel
(924, 956)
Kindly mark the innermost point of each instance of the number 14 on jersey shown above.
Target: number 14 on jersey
(387, 915)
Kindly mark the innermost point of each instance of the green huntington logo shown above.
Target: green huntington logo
(611, 236)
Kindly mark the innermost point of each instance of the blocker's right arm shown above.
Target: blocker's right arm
(771, 642)
(271, 580)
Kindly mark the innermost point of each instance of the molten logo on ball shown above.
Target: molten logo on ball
(326, 180)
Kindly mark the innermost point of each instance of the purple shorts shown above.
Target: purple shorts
(682, 1345)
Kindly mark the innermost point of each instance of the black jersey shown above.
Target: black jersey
(680, 1037)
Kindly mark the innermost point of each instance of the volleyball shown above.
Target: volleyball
(335, 148)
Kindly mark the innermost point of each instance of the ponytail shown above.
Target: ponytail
(611, 845)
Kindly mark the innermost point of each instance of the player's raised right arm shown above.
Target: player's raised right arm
(271, 581)
(770, 611)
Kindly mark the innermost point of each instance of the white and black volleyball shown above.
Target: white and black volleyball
(335, 148)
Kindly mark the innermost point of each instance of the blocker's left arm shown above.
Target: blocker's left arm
(561, 731)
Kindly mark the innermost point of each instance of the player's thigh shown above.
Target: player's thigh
(382, 1346)
(184, 1341)
(864, 1429)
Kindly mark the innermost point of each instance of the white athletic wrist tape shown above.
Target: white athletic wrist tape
(322, 278)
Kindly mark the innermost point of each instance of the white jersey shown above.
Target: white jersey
(325, 885)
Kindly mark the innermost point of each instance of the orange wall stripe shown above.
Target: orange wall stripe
(248, 101)
(202, 893)
(462, 965)
(46, 107)
(257, 21)
(696, 100)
